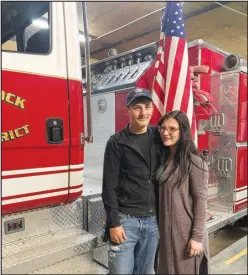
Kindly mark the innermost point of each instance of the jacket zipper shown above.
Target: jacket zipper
(150, 172)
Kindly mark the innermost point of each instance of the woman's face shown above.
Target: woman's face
(169, 132)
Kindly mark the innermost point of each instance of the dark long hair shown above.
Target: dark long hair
(185, 147)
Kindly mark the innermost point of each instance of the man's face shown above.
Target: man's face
(140, 112)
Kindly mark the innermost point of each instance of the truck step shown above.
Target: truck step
(46, 250)
(222, 218)
(44, 220)
(81, 264)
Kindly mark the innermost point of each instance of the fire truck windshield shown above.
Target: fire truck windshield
(20, 21)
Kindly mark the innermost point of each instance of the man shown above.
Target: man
(129, 193)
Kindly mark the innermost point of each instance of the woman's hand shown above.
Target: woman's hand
(195, 248)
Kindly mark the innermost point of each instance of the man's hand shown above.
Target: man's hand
(194, 248)
(117, 235)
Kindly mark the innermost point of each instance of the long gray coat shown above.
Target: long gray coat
(182, 216)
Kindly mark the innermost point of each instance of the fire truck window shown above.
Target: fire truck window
(36, 36)
(26, 27)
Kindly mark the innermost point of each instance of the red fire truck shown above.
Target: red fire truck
(45, 216)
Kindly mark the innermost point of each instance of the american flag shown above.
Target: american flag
(172, 84)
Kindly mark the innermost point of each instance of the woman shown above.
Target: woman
(182, 178)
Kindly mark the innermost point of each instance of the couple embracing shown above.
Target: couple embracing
(155, 194)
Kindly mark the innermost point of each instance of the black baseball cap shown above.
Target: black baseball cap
(137, 93)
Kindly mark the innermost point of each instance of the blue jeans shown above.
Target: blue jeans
(136, 255)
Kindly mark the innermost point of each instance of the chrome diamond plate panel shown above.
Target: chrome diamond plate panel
(45, 221)
(222, 141)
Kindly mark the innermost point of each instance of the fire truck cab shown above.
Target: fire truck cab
(42, 119)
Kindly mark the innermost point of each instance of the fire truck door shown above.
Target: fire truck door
(35, 116)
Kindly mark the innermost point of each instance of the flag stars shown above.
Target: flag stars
(174, 23)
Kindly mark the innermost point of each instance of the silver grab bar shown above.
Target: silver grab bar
(89, 137)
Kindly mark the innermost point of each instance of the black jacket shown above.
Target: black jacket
(128, 177)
